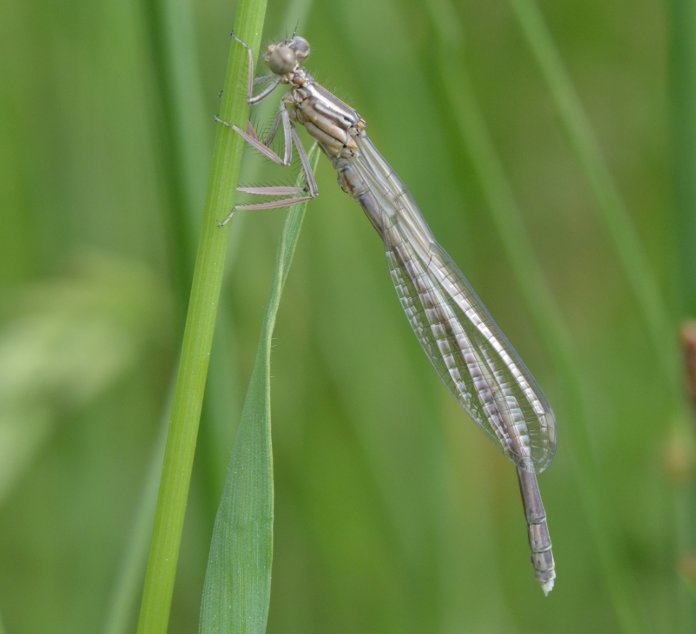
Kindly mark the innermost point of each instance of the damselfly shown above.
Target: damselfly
(467, 348)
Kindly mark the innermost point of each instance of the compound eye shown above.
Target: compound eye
(300, 46)
(281, 59)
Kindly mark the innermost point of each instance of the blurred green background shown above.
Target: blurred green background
(393, 512)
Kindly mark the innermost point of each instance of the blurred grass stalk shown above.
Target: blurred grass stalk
(180, 122)
(683, 101)
(198, 333)
(682, 40)
(636, 266)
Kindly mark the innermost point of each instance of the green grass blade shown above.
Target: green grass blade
(181, 126)
(682, 41)
(198, 334)
(237, 588)
(683, 93)
(636, 267)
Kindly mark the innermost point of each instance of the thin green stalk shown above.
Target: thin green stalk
(198, 333)
(180, 125)
(683, 87)
(183, 141)
(636, 267)
(682, 40)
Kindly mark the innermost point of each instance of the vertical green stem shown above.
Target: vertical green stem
(198, 333)
(636, 267)
(683, 87)
(682, 39)
(179, 126)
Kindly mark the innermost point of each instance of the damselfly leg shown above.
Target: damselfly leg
(292, 194)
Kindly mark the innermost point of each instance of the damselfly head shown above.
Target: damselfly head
(283, 57)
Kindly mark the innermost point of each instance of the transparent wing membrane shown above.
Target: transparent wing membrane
(461, 339)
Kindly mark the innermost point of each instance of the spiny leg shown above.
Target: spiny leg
(310, 180)
(252, 138)
(295, 194)
(261, 79)
(251, 80)
(282, 112)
